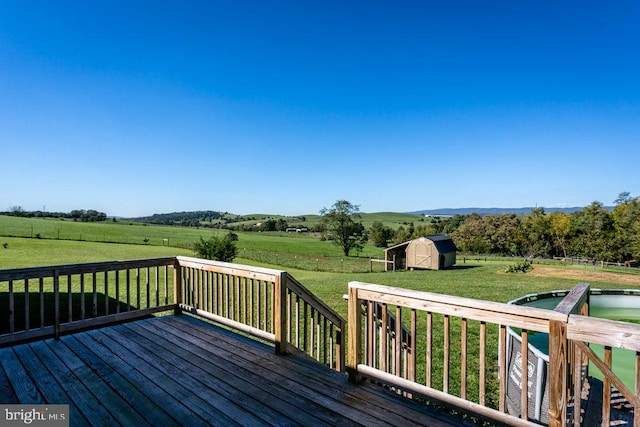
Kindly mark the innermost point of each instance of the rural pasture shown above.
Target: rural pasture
(318, 264)
(53, 243)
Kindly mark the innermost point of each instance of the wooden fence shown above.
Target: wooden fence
(455, 360)
(42, 302)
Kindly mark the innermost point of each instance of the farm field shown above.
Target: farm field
(478, 278)
(291, 250)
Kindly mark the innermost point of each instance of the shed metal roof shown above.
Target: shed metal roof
(444, 244)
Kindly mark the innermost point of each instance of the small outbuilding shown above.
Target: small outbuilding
(430, 252)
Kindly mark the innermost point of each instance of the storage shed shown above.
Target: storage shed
(430, 252)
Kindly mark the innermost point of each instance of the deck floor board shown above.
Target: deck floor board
(177, 370)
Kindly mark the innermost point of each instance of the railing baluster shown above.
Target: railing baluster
(297, 320)
(369, 340)
(524, 380)
(12, 309)
(41, 293)
(289, 317)
(56, 304)
(252, 302)
(463, 358)
(384, 340)
(398, 341)
(94, 305)
(245, 297)
(606, 389)
(312, 330)
(69, 298)
(429, 344)
(305, 327)
(117, 274)
(26, 305)
(413, 340)
(106, 293)
(577, 385)
(166, 284)
(446, 347)
(483, 364)
(127, 284)
(157, 285)
(502, 368)
(147, 285)
(324, 340)
(82, 301)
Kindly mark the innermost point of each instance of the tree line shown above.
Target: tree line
(594, 232)
(83, 215)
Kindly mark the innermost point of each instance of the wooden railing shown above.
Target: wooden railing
(44, 302)
(456, 352)
(266, 303)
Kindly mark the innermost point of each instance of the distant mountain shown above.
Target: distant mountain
(494, 211)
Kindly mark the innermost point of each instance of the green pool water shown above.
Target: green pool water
(615, 306)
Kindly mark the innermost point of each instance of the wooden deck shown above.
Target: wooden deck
(179, 370)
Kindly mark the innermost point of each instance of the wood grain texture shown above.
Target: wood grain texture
(179, 370)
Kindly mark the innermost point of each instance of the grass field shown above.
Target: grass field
(476, 277)
(291, 250)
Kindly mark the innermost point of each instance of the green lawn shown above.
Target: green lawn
(291, 250)
(475, 278)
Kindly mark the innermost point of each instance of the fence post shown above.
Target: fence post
(177, 286)
(280, 312)
(354, 349)
(558, 360)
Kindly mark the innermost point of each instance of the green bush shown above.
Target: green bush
(520, 267)
(216, 248)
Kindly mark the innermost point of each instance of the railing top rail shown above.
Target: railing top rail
(535, 318)
(90, 267)
(572, 303)
(259, 273)
(606, 332)
(316, 303)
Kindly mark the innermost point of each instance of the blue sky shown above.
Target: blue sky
(140, 107)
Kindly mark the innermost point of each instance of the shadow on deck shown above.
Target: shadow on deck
(177, 370)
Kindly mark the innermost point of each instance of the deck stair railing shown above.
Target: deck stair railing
(269, 304)
(460, 348)
(40, 302)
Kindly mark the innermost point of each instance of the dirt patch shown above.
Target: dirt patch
(586, 275)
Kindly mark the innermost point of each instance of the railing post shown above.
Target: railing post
(558, 358)
(354, 320)
(340, 348)
(56, 304)
(280, 312)
(177, 286)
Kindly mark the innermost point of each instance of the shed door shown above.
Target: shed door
(422, 254)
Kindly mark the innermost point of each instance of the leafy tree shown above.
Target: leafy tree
(269, 225)
(401, 235)
(217, 248)
(538, 241)
(380, 234)
(470, 236)
(343, 227)
(560, 230)
(622, 198)
(626, 219)
(594, 232)
(282, 224)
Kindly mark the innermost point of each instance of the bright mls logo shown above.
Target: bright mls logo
(49, 415)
